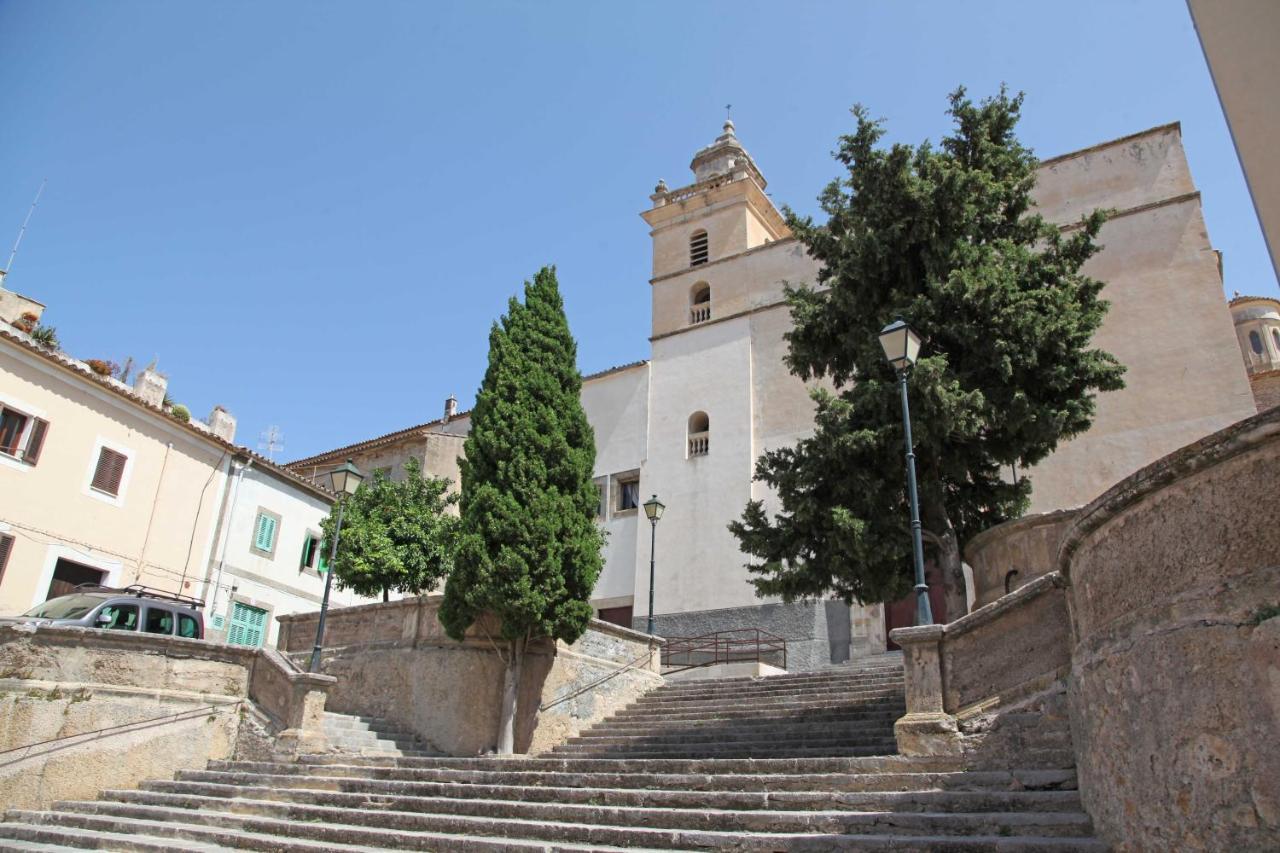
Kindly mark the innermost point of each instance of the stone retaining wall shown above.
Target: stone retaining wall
(394, 660)
(1027, 547)
(1175, 689)
(82, 709)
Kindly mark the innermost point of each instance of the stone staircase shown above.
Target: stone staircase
(732, 764)
(348, 733)
(846, 712)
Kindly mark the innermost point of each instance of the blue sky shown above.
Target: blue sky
(311, 212)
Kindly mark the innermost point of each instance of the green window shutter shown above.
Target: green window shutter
(248, 625)
(323, 563)
(265, 536)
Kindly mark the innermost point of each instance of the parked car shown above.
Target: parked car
(134, 608)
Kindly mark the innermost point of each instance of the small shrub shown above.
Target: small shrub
(46, 336)
(102, 367)
(180, 412)
(1262, 614)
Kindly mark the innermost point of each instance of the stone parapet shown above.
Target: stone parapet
(1013, 554)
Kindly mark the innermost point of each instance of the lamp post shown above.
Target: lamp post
(653, 509)
(901, 346)
(345, 481)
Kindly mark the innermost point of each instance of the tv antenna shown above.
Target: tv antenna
(22, 230)
(272, 442)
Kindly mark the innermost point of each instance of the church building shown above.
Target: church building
(689, 423)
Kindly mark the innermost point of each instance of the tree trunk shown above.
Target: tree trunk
(949, 560)
(510, 690)
(386, 595)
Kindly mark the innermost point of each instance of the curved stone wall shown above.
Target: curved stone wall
(1175, 689)
(1027, 545)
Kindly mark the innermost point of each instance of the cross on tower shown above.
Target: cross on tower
(728, 109)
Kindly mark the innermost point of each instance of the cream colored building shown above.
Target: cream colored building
(100, 484)
(689, 423)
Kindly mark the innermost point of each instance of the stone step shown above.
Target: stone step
(419, 796)
(699, 741)
(569, 764)
(618, 825)
(770, 685)
(797, 678)
(846, 698)
(336, 775)
(833, 716)
(895, 707)
(664, 695)
(240, 833)
(803, 749)
(346, 741)
(746, 724)
(851, 732)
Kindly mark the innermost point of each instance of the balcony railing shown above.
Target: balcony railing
(699, 443)
(700, 313)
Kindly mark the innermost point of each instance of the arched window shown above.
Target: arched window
(1255, 341)
(1275, 337)
(700, 303)
(698, 248)
(699, 434)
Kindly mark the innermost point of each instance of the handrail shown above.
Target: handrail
(732, 646)
(116, 729)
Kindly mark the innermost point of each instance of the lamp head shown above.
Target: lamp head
(345, 480)
(653, 508)
(900, 343)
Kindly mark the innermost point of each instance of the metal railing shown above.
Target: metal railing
(742, 644)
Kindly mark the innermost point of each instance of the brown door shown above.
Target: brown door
(902, 613)
(617, 615)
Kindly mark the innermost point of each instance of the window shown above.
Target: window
(187, 627)
(21, 435)
(700, 303)
(600, 498)
(119, 617)
(158, 621)
(248, 625)
(1275, 337)
(109, 471)
(699, 434)
(265, 527)
(313, 552)
(698, 248)
(626, 489)
(1255, 341)
(6, 548)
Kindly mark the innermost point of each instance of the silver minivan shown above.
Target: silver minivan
(134, 608)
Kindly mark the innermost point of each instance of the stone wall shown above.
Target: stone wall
(393, 660)
(1175, 688)
(1027, 546)
(991, 685)
(817, 633)
(1266, 389)
(82, 709)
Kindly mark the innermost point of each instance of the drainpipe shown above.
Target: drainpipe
(155, 501)
(226, 534)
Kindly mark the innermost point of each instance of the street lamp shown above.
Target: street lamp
(901, 346)
(345, 481)
(653, 509)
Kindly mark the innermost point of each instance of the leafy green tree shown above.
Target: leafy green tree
(529, 549)
(946, 238)
(396, 534)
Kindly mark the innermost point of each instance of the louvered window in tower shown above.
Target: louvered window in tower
(698, 248)
(109, 471)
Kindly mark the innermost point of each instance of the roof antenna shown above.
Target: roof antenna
(272, 442)
(21, 231)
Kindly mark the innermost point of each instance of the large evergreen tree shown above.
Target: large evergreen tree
(529, 550)
(947, 239)
(397, 535)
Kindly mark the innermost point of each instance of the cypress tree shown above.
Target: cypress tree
(529, 550)
(947, 239)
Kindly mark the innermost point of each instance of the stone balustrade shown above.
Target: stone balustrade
(699, 443)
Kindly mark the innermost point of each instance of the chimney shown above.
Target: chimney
(450, 407)
(222, 424)
(151, 385)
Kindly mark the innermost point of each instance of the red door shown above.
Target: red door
(902, 613)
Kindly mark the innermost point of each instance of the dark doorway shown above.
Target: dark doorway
(902, 613)
(68, 575)
(617, 615)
